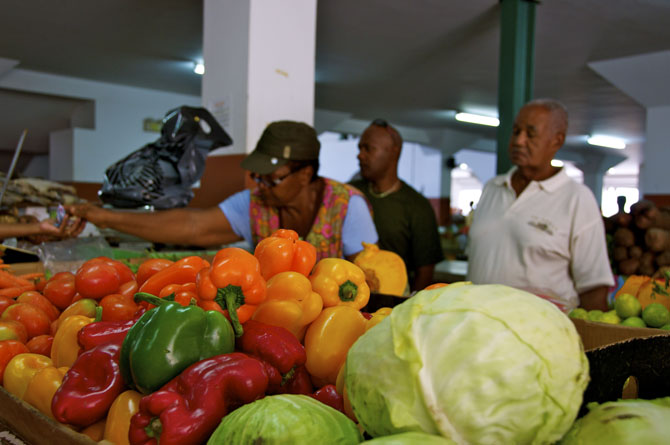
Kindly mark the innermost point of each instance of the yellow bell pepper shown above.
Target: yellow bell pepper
(42, 388)
(328, 340)
(290, 303)
(21, 369)
(340, 282)
(96, 431)
(377, 316)
(65, 347)
(123, 408)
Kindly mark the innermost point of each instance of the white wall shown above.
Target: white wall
(119, 112)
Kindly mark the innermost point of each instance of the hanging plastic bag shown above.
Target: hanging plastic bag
(162, 173)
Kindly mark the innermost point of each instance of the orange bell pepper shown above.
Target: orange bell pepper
(241, 287)
(204, 285)
(340, 282)
(181, 293)
(377, 316)
(65, 347)
(42, 388)
(21, 369)
(123, 408)
(183, 271)
(328, 340)
(86, 306)
(283, 251)
(96, 431)
(290, 303)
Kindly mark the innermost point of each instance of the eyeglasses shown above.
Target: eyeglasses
(273, 182)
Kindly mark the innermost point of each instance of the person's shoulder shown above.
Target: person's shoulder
(359, 183)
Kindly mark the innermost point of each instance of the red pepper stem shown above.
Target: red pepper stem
(149, 298)
(348, 291)
(155, 428)
(230, 298)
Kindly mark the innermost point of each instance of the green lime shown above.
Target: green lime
(665, 327)
(656, 315)
(579, 312)
(635, 322)
(610, 317)
(594, 315)
(626, 305)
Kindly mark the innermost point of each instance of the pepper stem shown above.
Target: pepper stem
(230, 298)
(155, 428)
(348, 291)
(149, 298)
(98, 313)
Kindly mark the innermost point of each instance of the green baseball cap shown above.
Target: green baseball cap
(281, 142)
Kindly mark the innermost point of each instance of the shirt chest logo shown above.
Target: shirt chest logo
(543, 225)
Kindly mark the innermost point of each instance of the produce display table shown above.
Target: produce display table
(20, 421)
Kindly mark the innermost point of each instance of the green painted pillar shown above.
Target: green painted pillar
(515, 77)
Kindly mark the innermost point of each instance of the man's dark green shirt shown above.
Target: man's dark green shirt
(406, 225)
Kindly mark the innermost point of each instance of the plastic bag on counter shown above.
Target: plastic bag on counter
(68, 255)
(162, 173)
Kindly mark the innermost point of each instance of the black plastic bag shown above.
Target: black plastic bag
(162, 173)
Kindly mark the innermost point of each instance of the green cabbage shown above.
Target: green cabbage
(485, 364)
(411, 438)
(632, 421)
(286, 419)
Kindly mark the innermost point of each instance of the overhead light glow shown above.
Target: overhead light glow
(556, 163)
(199, 68)
(478, 119)
(606, 141)
(463, 166)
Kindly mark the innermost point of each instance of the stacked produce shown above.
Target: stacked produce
(274, 348)
(641, 302)
(640, 240)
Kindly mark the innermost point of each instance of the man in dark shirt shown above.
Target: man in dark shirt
(404, 218)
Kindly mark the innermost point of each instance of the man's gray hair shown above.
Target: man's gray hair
(557, 109)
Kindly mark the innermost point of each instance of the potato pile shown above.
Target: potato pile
(639, 241)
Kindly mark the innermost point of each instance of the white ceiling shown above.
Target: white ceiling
(410, 62)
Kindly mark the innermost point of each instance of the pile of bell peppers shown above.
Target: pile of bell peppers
(162, 355)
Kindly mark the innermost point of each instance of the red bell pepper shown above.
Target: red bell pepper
(101, 332)
(328, 394)
(188, 409)
(280, 349)
(89, 386)
(274, 344)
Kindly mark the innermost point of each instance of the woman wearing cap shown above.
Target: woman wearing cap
(334, 217)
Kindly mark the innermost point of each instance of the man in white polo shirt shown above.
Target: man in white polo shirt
(536, 229)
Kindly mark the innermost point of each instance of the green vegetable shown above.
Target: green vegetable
(412, 438)
(169, 338)
(633, 421)
(484, 364)
(286, 419)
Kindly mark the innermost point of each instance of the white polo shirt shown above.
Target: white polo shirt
(549, 240)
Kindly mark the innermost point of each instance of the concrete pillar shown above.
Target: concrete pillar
(259, 65)
(654, 178)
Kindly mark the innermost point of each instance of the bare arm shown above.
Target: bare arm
(69, 227)
(595, 298)
(423, 277)
(187, 226)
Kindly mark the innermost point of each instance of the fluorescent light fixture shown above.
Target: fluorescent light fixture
(606, 141)
(199, 68)
(556, 163)
(463, 166)
(478, 119)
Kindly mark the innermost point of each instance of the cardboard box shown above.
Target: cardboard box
(595, 335)
(30, 425)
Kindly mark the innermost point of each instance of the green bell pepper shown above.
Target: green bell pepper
(169, 338)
